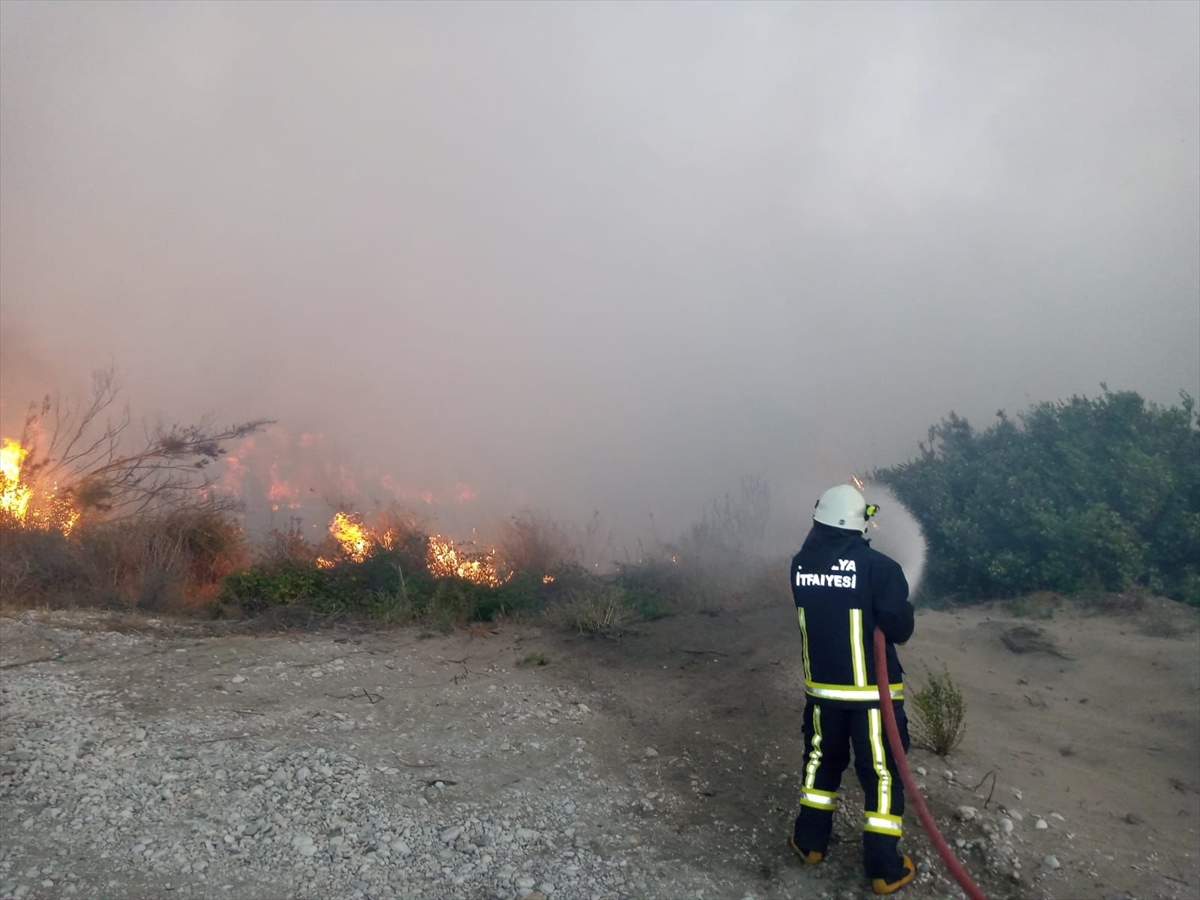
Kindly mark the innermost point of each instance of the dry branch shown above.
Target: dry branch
(92, 461)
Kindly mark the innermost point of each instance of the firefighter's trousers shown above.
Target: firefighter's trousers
(829, 733)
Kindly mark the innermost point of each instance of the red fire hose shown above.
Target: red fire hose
(889, 723)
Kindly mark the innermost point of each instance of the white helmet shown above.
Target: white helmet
(844, 507)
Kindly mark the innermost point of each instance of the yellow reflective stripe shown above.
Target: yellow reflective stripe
(851, 692)
(883, 825)
(804, 639)
(814, 757)
(819, 799)
(856, 648)
(875, 732)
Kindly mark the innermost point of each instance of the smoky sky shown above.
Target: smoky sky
(601, 255)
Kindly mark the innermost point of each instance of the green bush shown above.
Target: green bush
(939, 720)
(1081, 494)
(378, 588)
(654, 587)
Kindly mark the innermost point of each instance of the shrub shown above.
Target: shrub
(534, 544)
(534, 659)
(170, 561)
(257, 589)
(380, 587)
(655, 586)
(606, 613)
(38, 566)
(939, 714)
(1081, 494)
(1032, 606)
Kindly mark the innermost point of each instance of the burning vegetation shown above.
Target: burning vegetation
(22, 502)
(93, 511)
(356, 540)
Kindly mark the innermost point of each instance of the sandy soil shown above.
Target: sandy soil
(1100, 740)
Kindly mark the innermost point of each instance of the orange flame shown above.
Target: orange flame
(352, 536)
(356, 540)
(14, 494)
(45, 509)
(445, 560)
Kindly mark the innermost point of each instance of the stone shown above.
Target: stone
(966, 813)
(1051, 862)
(650, 753)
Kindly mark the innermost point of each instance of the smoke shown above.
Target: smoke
(898, 534)
(596, 256)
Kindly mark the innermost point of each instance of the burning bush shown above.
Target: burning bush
(74, 459)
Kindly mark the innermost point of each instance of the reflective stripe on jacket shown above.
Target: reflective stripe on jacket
(843, 588)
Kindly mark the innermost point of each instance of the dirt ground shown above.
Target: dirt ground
(1098, 737)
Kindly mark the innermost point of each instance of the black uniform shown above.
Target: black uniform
(843, 590)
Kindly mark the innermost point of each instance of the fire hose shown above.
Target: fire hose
(910, 785)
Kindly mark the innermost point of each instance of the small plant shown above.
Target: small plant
(939, 714)
(534, 659)
(1040, 605)
(608, 613)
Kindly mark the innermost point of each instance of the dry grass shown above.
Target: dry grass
(604, 614)
(533, 543)
(173, 562)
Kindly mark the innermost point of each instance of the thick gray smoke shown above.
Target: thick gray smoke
(596, 257)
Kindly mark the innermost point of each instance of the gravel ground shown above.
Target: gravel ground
(104, 794)
(175, 764)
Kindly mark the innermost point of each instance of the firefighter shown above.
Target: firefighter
(843, 589)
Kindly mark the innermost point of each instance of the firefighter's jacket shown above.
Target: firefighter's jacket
(843, 589)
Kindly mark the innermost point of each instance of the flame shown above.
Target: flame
(356, 540)
(282, 493)
(547, 579)
(352, 536)
(445, 560)
(858, 482)
(14, 495)
(45, 510)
